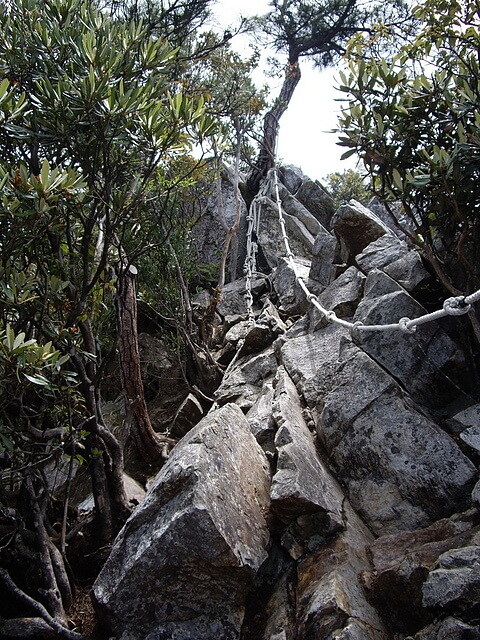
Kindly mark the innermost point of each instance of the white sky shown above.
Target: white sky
(304, 138)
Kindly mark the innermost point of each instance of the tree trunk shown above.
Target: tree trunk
(271, 126)
(150, 446)
(104, 451)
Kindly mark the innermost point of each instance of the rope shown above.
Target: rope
(456, 306)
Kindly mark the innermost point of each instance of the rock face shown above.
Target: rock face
(331, 491)
(427, 363)
(356, 227)
(302, 484)
(218, 216)
(330, 600)
(196, 541)
(400, 583)
(454, 581)
(391, 456)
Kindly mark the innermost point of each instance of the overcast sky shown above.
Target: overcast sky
(304, 139)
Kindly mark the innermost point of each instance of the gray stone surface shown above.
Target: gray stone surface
(357, 630)
(233, 296)
(356, 227)
(428, 363)
(454, 582)
(189, 413)
(320, 203)
(297, 229)
(342, 297)
(381, 252)
(291, 298)
(380, 443)
(245, 337)
(292, 177)
(449, 629)
(330, 599)
(396, 220)
(362, 514)
(471, 437)
(322, 270)
(296, 209)
(208, 235)
(476, 495)
(408, 271)
(134, 491)
(270, 238)
(244, 381)
(261, 421)
(310, 360)
(469, 417)
(182, 565)
(302, 484)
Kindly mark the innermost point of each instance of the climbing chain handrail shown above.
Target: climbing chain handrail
(455, 306)
(250, 264)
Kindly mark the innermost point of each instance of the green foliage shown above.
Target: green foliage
(92, 95)
(235, 103)
(38, 399)
(321, 29)
(91, 128)
(415, 121)
(347, 185)
(175, 20)
(96, 128)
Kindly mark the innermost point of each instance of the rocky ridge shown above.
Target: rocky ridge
(331, 490)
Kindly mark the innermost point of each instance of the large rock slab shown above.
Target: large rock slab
(218, 215)
(233, 300)
(402, 471)
(291, 177)
(183, 564)
(329, 597)
(310, 360)
(292, 299)
(296, 209)
(449, 629)
(381, 252)
(270, 236)
(302, 484)
(427, 363)
(454, 583)
(189, 413)
(471, 437)
(395, 219)
(261, 420)
(342, 297)
(356, 227)
(322, 270)
(468, 417)
(401, 563)
(408, 271)
(320, 203)
(243, 383)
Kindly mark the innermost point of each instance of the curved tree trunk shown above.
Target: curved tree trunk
(150, 446)
(271, 126)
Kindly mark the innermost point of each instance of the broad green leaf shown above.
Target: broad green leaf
(38, 379)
